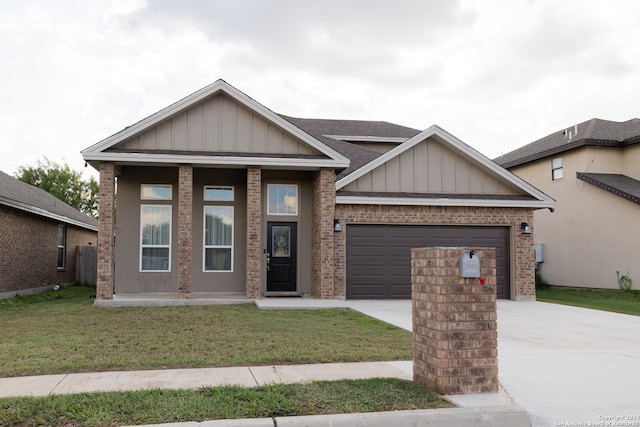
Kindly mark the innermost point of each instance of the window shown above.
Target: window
(155, 238)
(282, 199)
(62, 245)
(556, 169)
(218, 194)
(218, 238)
(155, 192)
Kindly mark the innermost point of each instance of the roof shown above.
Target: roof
(620, 185)
(337, 133)
(594, 132)
(22, 196)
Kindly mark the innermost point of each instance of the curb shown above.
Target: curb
(490, 416)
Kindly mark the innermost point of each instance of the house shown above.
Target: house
(218, 194)
(592, 169)
(39, 235)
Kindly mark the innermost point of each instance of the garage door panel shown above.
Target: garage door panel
(379, 256)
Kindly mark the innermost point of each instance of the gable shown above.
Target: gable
(218, 124)
(435, 168)
(431, 167)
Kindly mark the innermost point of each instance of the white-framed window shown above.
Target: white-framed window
(155, 238)
(62, 246)
(156, 191)
(218, 193)
(218, 238)
(556, 169)
(282, 199)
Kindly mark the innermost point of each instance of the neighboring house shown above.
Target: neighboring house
(218, 194)
(593, 171)
(38, 238)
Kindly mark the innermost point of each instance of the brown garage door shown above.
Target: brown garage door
(379, 256)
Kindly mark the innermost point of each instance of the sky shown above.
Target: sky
(497, 74)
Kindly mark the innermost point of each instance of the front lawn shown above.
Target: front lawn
(211, 403)
(614, 300)
(62, 331)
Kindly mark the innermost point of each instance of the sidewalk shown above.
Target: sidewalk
(195, 378)
(489, 409)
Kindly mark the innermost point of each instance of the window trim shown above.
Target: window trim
(554, 169)
(62, 246)
(142, 246)
(143, 197)
(269, 212)
(204, 239)
(222, 187)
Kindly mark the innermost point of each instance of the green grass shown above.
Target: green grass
(163, 406)
(614, 300)
(62, 332)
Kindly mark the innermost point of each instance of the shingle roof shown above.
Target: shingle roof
(594, 132)
(359, 156)
(19, 195)
(620, 185)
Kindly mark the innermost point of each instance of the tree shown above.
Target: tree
(64, 183)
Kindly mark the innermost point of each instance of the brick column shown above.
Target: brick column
(185, 225)
(106, 198)
(254, 231)
(322, 255)
(455, 339)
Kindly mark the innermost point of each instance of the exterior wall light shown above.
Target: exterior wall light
(337, 227)
(526, 229)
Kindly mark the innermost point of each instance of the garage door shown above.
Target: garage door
(379, 256)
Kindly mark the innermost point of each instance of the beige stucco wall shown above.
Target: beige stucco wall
(592, 233)
(128, 278)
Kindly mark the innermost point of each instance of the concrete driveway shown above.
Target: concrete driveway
(564, 365)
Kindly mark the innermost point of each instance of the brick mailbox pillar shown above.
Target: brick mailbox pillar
(455, 339)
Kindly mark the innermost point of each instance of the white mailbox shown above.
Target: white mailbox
(469, 265)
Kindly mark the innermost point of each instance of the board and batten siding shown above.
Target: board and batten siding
(429, 167)
(219, 124)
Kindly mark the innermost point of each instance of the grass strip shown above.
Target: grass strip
(63, 332)
(614, 300)
(211, 403)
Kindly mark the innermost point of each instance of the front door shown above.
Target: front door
(281, 256)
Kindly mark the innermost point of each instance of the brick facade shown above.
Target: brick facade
(254, 231)
(106, 223)
(185, 226)
(455, 341)
(29, 251)
(522, 265)
(322, 252)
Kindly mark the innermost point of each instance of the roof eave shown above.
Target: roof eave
(141, 158)
(409, 201)
(45, 213)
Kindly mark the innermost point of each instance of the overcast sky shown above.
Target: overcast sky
(497, 74)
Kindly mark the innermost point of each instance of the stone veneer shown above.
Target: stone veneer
(106, 196)
(254, 231)
(455, 339)
(522, 259)
(185, 225)
(322, 239)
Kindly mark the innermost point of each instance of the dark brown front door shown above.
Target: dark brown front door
(281, 256)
